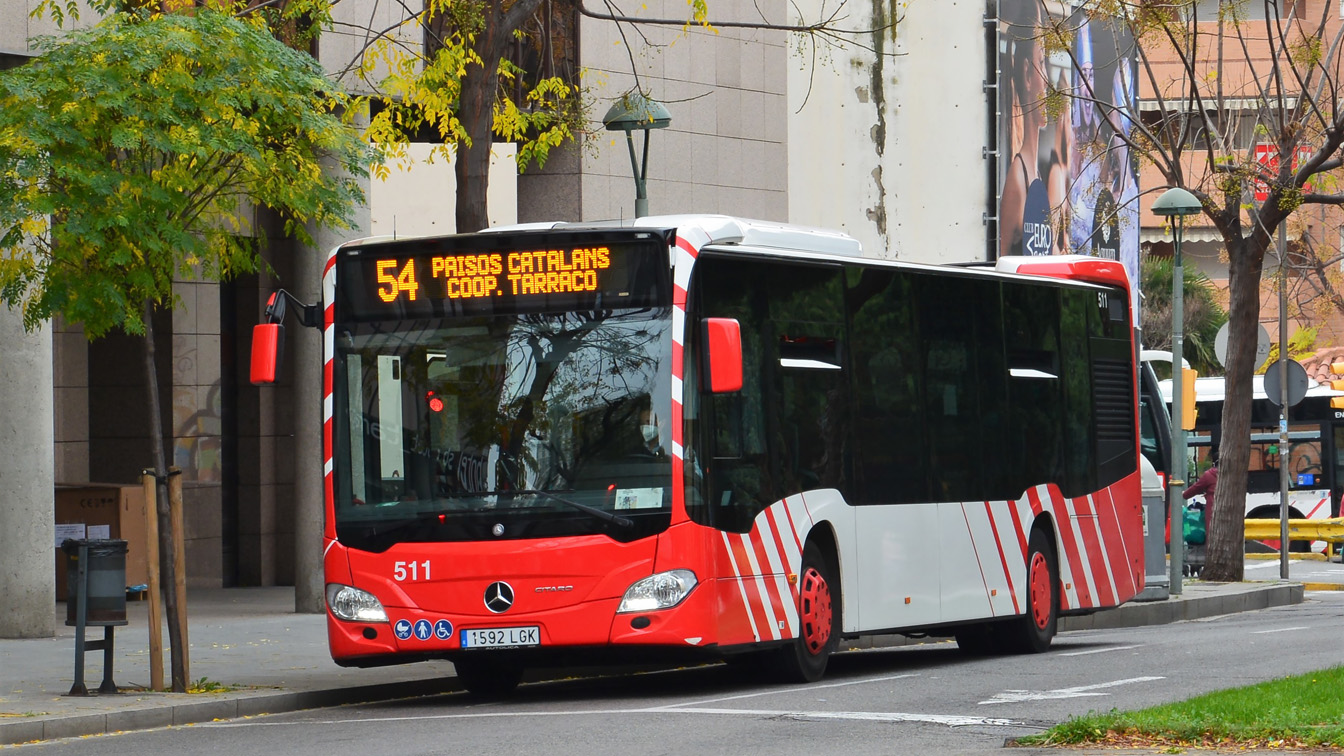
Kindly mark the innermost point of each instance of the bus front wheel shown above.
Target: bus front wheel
(804, 660)
(1032, 632)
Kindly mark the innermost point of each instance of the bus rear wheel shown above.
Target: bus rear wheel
(804, 660)
(1032, 632)
(487, 680)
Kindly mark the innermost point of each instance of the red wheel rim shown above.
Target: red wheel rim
(1039, 577)
(814, 598)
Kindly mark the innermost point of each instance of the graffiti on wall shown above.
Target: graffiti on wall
(197, 409)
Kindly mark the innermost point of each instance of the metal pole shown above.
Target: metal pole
(1283, 405)
(81, 599)
(641, 204)
(1177, 483)
(641, 188)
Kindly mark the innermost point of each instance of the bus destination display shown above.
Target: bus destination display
(550, 271)
(413, 280)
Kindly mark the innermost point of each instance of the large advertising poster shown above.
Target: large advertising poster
(1067, 182)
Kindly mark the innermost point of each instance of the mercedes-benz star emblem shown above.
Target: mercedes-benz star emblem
(499, 597)
(498, 529)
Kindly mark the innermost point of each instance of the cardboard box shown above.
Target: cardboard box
(93, 510)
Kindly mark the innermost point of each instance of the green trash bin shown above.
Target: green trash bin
(105, 603)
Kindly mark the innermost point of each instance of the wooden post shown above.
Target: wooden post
(155, 601)
(179, 567)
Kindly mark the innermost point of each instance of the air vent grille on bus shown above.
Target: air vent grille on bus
(1112, 390)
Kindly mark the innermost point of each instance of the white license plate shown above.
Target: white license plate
(499, 637)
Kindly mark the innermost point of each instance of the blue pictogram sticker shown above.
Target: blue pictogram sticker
(422, 630)
(402, 629)
(443, 629)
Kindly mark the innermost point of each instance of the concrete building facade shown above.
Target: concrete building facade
(889, 145)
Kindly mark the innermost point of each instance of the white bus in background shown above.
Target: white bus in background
(1315, 450)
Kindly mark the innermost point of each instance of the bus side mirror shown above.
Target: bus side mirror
(723, 353)
(268, 347)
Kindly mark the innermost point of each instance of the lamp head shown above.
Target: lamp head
(1177, 202)
(634, 111)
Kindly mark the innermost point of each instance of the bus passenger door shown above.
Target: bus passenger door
(896, 517)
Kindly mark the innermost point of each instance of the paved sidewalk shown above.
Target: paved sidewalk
(273, 660)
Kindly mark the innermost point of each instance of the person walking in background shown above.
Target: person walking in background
(1206, 484)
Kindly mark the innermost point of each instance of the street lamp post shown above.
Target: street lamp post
(1177, 203)
(635, 112)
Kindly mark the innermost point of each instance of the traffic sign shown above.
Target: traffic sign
(1261, 345)
(1297, 382)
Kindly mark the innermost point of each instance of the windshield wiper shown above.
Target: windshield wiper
(601, 514)
(384, 530)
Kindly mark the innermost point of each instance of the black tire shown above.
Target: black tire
(1033, 631)
(486, 680)
(804, 660)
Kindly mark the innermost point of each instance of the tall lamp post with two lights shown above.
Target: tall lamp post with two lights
(1177, 203)
(635, 112)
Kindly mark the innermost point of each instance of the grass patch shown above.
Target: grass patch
(206, 685)
(1300, 711)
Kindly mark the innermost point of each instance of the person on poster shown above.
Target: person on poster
(1058, 174)
(1024, 204)
(1086, 158)
(1121, 177)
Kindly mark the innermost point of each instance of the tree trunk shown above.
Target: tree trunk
(167, 568)
(1225, 560)
(476, 104)
(476, 111)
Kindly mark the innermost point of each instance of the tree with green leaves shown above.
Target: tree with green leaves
(136, 152)
(464, 88)
(451, 71)
(1228, 87)
(1203, 314)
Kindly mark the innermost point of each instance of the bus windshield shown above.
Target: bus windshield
(509, 426)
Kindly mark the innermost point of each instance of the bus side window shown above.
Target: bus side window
(890, 455)
(784, 432)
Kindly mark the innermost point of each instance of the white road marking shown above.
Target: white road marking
(776, 692)
(1015, 696)
(690, 707)
(951, 720)
(1279, 630)
(1098, 650)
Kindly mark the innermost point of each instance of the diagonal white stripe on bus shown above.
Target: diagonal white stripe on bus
(763, 591)
(1066, 566)
(1101, 541)
(980, 559)
(741, 587)
(780, 567)
(1088, 568)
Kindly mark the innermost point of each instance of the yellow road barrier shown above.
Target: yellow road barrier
(1298, 530)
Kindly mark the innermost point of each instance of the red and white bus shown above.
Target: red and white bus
(701, 437)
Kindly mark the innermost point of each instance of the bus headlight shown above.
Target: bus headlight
(353, 605)
(661, 591)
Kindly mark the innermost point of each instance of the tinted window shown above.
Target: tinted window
(785, 431)
(890, 454)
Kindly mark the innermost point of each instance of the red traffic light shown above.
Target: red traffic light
(435, 403)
